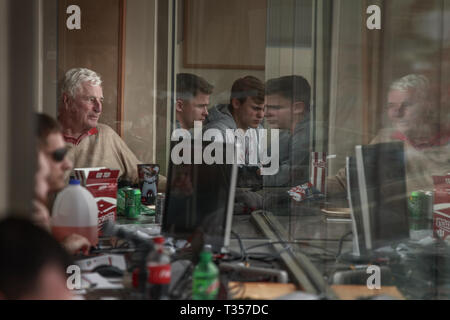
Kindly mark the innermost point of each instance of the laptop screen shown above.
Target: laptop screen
(199, 202)
(382, 186)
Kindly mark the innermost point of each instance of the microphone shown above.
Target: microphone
(110, 229)
(143, 247)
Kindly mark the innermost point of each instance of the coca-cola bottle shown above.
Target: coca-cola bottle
(159, 269)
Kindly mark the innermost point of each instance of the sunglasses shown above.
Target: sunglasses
(59, 154)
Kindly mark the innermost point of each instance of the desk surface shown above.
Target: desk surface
(320, 240)
(317, 237)
(419, 271)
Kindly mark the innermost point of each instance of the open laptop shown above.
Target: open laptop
(200, 200)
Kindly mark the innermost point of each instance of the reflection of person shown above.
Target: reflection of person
(411, 112)
(182, 181)
(415, 121)
(245, 111)
(192, 99)
(33, 264)
(90, 143)
(182, 199)
(288, 109)
(52, 165)
(198, 197)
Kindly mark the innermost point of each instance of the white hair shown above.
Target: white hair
(75, 77)
(418, 82)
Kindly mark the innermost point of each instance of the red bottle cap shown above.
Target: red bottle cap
(158, 240)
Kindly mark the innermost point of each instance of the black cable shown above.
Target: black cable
(232, 256)
(290, 242)
(241, 245)
(182, 284)
(341, 242)
(270, 258)
(321, 257)
(237, 291)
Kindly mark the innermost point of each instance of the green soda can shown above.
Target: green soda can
(417, 214)
(121, 200)
(132, 203)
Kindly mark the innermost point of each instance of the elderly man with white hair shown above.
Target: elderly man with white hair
(414, 117)
(415, 120)
(90, 143)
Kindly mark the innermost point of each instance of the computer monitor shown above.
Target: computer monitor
(354, 201)
(376, 191)
(383, 195)
(200, 200)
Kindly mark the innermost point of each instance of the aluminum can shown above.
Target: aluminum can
(159, 207)
(121, 200)
(418, 214)
(429, 200)
(132, 203)
(428, 207)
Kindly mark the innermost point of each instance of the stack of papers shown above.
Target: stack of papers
(93, 280)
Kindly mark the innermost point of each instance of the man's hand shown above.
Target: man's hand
(76, 243)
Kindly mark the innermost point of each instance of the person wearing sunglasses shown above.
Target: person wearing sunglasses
(50, 177)
(51, 143)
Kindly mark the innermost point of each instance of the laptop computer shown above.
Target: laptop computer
(200, 201)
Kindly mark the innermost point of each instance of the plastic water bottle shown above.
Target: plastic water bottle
(159, 271)
(75, 211)
(205, 279)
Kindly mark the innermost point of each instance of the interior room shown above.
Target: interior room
(348, 99)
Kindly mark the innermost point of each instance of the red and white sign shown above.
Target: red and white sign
(318, 174)
(441, 208)
(102, 183)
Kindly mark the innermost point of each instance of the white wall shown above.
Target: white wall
(222, 79)
(288, 61)
(346, 106)
(48, 53)
(279, 61)
(140, 75)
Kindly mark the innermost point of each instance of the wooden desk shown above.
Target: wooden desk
(260, 290)
(353, 292)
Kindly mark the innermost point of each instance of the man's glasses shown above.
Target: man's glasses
(59, 154)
